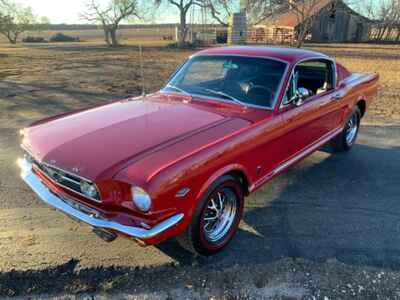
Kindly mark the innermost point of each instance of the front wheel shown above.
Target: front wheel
(346, 139)
(216, 219)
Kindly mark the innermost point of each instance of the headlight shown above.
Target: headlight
(141, 199)
(89, 190)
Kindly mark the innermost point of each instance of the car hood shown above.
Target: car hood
(93, 142)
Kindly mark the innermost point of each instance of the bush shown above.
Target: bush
(61, 37)
(34, 39)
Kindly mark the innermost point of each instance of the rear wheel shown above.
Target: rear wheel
(216, 218)
(346, 139)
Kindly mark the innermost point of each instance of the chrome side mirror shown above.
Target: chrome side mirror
(301, 94)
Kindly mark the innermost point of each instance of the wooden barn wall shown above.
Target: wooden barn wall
(344, 27)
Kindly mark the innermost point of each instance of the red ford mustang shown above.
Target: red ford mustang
(179, 162)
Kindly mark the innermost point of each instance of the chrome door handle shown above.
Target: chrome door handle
(336, 97)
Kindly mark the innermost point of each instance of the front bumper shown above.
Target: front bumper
(66, 206)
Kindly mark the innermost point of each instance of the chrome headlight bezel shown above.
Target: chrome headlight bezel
(89, 190)
(141, 199)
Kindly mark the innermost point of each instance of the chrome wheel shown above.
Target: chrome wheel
(220, 214)
(351, 129)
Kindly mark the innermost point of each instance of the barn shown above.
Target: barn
(332, 21)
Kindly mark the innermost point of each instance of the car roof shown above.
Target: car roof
(290, 55)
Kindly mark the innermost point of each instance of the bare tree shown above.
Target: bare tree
(260, 10)
(220, 10)
(111, 15)
(15, 19)
(257, 10)
(183, 6)
(386, 14)
(305, 14)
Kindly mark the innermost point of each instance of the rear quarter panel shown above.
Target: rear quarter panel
(355, 88)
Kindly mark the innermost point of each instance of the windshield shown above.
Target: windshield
(243, 80)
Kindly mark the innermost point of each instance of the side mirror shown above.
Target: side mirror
(301, 94)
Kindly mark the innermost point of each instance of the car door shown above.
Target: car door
(312, 120)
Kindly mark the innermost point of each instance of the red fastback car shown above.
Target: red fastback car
(179, 162)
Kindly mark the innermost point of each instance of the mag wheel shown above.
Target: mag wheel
(352, 129)
(346, 139)
(219, 214)
(216, 219)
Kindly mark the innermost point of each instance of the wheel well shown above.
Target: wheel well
(241, 177)
(362, 105)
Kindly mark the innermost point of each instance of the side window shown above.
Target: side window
(317, 76)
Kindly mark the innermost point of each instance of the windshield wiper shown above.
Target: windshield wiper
(226, 96)
(171, 86)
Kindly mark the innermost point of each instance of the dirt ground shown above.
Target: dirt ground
(337, 238)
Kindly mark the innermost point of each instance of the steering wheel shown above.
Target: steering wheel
(261, 90)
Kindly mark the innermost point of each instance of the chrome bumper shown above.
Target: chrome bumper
(57, 202)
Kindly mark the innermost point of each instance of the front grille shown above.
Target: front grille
(61, 178)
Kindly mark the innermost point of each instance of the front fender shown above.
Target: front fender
(221, 172)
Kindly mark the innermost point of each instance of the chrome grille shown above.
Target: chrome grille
(62, 178)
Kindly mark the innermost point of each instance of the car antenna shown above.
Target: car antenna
(141, 70)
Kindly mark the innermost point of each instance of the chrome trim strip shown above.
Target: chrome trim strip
(51, 199)
(70, 180)
(296, 157)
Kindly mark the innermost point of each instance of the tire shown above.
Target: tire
(347, 138)
(200, 238)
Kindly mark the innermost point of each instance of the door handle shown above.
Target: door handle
(336, 97)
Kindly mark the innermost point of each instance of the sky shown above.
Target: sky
(68, 11)
(58, 11)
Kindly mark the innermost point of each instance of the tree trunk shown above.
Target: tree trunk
(182, 29)
(12, 38)
(113, 35)
(107, 36)
(301, 35)
(398, 35)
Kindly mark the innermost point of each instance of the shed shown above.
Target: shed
(333, 21)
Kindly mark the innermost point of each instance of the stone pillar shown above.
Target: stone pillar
(238, 29)
(237, 33)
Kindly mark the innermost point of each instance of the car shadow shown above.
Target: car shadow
(341, 206)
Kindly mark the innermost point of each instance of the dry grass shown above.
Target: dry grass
(93, 35)
(39, 80)
(384, 59)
